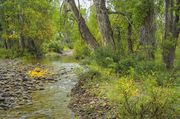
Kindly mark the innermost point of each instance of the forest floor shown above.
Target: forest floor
(86, 102)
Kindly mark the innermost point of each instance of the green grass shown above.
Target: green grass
(106, 84)
(4, 53)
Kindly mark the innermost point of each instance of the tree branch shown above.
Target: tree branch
(120, 13)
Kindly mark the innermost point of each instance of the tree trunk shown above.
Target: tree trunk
(9, 43)
(5, 44)
(129, 40)
(21, 44)
(104, 23)
(176, 29)
(147, 32)
(118, 37)
(84, 30)
(171, 33)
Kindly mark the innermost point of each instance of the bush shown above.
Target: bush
(92, 73)
(55, 46)
(106, 57)
(144, 100)
(81, 51)
(8, 53)
(125, 64)
(139, 69)
(133, 65)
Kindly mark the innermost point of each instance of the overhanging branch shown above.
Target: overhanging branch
(120, 13)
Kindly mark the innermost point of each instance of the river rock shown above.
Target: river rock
(2, 99)
(16, 86)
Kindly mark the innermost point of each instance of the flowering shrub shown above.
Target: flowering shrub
(38, 73)
(128, 87)
(143, 99)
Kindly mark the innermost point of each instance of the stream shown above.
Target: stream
(52, 102)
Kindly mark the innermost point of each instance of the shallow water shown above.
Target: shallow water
(52, 102)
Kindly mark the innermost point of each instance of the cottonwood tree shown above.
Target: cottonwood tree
(119, 12)
(148, 28)
(104, 23)
(171, 33)
(83, 29)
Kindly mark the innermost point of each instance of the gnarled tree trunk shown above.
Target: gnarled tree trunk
(104, 23)
(84, 30)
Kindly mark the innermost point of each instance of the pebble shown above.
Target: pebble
(16, 86)
(2, 99)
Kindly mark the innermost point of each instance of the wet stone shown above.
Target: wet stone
(2, 99)
(16, 86)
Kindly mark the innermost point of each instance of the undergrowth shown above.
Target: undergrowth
(138, 89)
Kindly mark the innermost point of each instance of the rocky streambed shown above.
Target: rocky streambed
(48, 97)
(15, 84)
(25, 97)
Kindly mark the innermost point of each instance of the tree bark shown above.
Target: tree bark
(176, 29)
(104, 23)
(171, 33)
(147, 32)
(22, 44)
(84, 30)
(129, 40)
(5, 44)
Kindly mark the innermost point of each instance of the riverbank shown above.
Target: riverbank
(103, 94)
(17, 84)
(86, 101)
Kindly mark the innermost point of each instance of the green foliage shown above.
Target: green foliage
(125, 64)
(12, 53)
(91, 74)
(133, 65)
(168, 44)
(106, 57)
(30, 21)
(143, 100)
(139, 70)
(7, 53)
(93, 24)
(81, 50)
(53, 46)
(142, 9)
(136, 99)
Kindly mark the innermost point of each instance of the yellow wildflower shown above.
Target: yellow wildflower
(38, 73)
